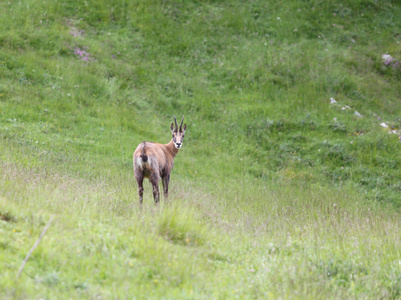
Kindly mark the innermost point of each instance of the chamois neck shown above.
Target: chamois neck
(171, 148)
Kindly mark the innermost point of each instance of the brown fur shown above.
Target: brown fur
(155, 161)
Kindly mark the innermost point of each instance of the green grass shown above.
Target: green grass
(276, 193)
(253, 241)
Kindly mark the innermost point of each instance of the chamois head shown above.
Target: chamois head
(178, 133)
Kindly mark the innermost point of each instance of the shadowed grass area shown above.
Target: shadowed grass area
(246, 93)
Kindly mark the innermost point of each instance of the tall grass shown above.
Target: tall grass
(247, 241)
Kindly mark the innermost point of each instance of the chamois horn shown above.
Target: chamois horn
(181, 123)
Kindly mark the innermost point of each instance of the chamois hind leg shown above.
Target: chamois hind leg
(139, 180)
(154, 180)
(166, 181)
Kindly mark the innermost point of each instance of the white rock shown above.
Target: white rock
(384, 125)
(357, 114)
(333, 101)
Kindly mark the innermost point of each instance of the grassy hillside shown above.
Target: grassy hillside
(276, 192)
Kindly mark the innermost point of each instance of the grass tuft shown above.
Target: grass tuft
(180, 226)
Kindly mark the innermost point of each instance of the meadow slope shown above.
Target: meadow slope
(278, 191)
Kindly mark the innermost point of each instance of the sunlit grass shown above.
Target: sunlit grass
(250, 241)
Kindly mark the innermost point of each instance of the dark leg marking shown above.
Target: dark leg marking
(140, 189)
(166, 181)
(154, 180)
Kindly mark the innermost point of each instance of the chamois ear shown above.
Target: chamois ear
(185, 127)
(172, 126)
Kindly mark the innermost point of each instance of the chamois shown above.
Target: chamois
(155, 161)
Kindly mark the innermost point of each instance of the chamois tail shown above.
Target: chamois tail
(143, 154)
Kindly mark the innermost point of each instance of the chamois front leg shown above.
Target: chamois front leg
(154, 180)
(166, 181)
